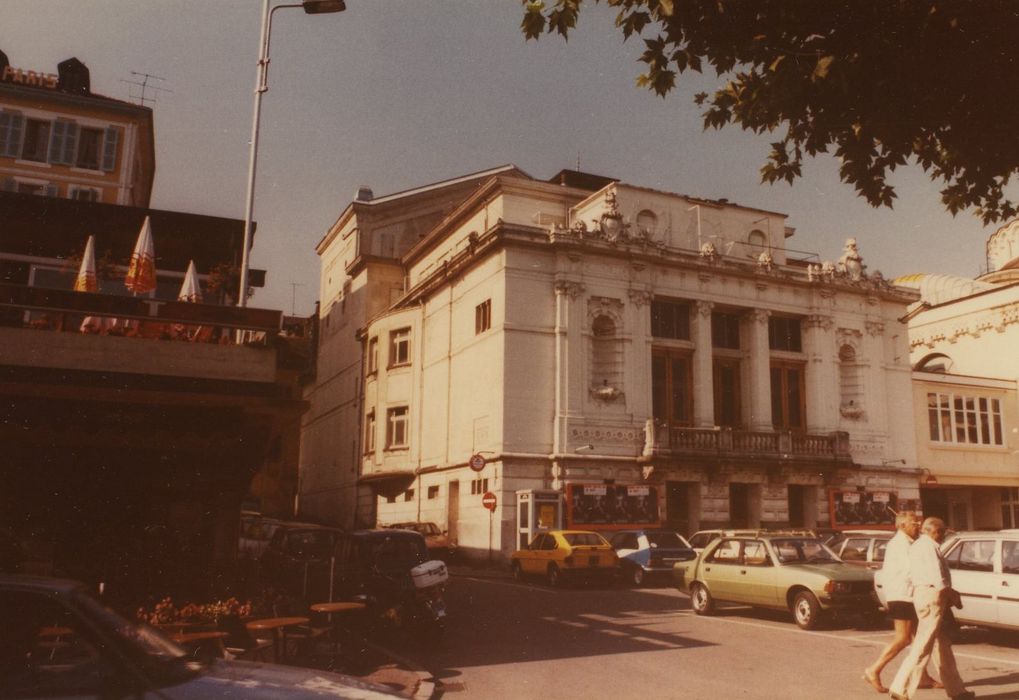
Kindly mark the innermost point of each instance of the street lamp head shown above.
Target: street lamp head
(321, 7)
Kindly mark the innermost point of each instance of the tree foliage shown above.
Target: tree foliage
(877, 83)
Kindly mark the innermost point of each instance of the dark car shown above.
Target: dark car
(59, 641)
(363, 556)
(644, 554)
(297, 559)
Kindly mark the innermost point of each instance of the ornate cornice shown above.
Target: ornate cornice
(639, 297)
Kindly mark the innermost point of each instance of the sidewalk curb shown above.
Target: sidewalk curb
(425, 687)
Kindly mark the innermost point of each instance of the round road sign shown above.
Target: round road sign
(489, 500)
(476, 462)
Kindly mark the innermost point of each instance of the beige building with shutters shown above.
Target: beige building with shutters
(59, 139)
(581, 332)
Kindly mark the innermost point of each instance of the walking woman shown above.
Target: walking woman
(899, 597)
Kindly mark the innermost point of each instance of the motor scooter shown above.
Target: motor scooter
(411, 601)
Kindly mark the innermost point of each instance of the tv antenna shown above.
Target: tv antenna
(144, 85)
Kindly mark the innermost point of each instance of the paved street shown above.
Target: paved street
(507, 640)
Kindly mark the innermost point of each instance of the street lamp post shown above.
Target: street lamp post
(311, 7)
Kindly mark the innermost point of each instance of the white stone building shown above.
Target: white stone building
(582, 334)
(963, 337)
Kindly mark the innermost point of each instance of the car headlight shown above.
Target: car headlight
(838, 587)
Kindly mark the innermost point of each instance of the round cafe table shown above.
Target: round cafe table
(277, 626)
(197, 640)
(336, 612)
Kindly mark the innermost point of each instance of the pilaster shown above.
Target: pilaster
(758, 363)
(703, 376)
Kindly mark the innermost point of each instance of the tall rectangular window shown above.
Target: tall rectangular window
(369, 432)
(964, 419)
(787, 396)
(90, 143)
(36, 143)
(399, 347)
(727, 391)
(725, 331)
(671, 394)
(397, 420)
(1010, 508)
(670, 319)
(482, 317)
(433, 492)
(784, 334)
(372, 362)
(12, 127)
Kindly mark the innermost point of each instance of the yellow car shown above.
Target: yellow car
(558, 555)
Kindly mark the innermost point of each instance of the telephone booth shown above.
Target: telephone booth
(537, 510)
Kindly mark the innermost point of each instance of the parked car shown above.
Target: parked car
(297, 559)
(59, 641)
(702, 538)
(649, 553)
(863, 547)
(560, 555)
(985, 572)
(791, 572)
(440, 546)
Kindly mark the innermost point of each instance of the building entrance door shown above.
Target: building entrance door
(453, 511)
(739, 505)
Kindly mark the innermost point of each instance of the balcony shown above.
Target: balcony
(735, 444)
(43, 329)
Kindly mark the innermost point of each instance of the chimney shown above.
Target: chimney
(73, 77)
(364, 194)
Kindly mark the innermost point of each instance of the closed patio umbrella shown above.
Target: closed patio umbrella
(141, 271)
(190, 290)
(86, 282)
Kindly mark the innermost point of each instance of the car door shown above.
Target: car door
(972, 565)
(1008, 589)
(530, 561)
(756, 583)
(721, 570)
(626, 546)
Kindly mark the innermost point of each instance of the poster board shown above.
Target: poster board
(852, 509)
(611, 506)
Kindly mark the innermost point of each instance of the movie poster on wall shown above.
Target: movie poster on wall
(611, 506)
(863, 509)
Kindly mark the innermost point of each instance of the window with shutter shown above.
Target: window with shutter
(12, 126)
(110, 148)
(63, 142)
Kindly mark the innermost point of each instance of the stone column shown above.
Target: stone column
(565, 292)
(875, 378)
(822, 380)
(758, 375)
(703, 376)
(637, 373)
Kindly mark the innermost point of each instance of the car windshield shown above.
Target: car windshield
(583, 539)
(391, 552)
(802, 551)
(145, 643)
(666, 540)
(428, 529)
(316, 544)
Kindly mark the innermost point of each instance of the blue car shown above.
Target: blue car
(649, 553)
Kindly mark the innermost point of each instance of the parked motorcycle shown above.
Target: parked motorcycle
(411, 601)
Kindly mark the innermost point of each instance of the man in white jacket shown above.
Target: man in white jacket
(933, 598)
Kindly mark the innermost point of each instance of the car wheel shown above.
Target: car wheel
(806, 610)
(555, 577)
(518, 573)
(701, 600)
(637, 576)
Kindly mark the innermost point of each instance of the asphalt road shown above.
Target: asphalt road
(507, 640)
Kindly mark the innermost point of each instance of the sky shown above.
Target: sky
(395, 95)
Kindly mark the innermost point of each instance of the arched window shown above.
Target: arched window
(850, 383)
(757, 241)
(935, 362)
(647, 222)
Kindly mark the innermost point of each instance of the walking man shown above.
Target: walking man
(899, 597)
(933, 598)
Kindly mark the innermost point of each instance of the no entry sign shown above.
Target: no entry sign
(489, 500)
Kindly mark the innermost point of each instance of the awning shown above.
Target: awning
(389, 484)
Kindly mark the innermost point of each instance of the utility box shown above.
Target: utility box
(537, 510)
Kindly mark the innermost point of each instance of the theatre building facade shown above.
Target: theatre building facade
(597, 354)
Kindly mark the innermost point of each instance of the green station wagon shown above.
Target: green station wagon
(781, 571)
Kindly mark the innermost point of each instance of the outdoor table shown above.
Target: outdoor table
(195, 640)
(336, 611)
(278, 627)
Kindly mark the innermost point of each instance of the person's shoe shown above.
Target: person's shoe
(874, 681)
